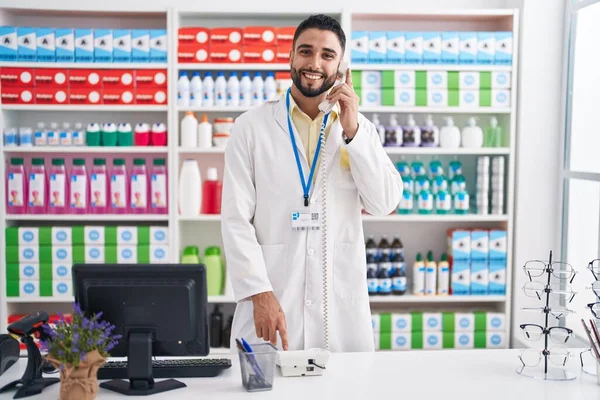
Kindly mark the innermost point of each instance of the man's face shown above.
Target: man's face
(314, 61)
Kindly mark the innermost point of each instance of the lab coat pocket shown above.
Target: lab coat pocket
(350, 271)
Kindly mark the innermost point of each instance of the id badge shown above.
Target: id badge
(306, 221)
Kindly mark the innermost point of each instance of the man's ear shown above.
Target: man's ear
(291, 57)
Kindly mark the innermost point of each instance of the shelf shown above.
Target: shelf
(213, 109)
(99, 107)
(434, 110)
(200, 218)
(487, 151)
(77, 65)
(430, 67)
(436, 299)
(233, 67)
(212, 150)
(221, 299)
(48, 299)
(87, 217)
(436, 218)
(88, 149)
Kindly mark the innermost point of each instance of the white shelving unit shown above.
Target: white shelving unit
(417, 231)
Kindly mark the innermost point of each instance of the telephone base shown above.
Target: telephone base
(302, 362)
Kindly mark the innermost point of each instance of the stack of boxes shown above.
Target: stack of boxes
(443, 330)
(477, 262)
(483, 185)
(409, 87)
(59, 86)
(251, 44)
(83, 45)
(498, 185)
(39, 260)
(432, 47)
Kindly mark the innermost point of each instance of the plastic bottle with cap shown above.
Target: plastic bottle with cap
(183, 90)
(450, 135)
(139, 187)
(158, 187)
(380, 128)
(190, 255)
(493, 134)
(58, 191)
(205, 136)
(40, 137)
(211, 193)
(119, 195)
(141, 134)
(78, 188)
(411, 133)
(189, 189)
(53, 135)
(37, 188)
(158, 134)
(196, 89)
(208, 90)
(78, 135)
(125, 134)
(270, 86)
(430, 134)
(187, 133)
(472, 135)
(246, 90)
(109, 134)
(16, 186)
(258, 89)
(66, 135)
(25, 137)
(99, 187)
(220, 90)
(393, 133)
(233, 90)
(214, 271)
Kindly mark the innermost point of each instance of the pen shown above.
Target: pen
(592, 344)
(253, 360)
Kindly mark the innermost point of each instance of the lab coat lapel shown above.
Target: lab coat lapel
(280, 113)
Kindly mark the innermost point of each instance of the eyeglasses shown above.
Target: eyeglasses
(595, 309)
(588, 361)
(594, 266)
(595, 288)
(557, 334)
(537, 289)
(557, 355)
(555, 312)
(559, 270)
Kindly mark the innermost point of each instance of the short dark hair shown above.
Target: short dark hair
(323, 22)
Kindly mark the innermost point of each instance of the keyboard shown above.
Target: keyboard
(182, 368)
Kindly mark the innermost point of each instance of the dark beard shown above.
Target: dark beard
(308, 91)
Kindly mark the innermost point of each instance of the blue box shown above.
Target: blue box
(140, 45)
(486, 47)
(497, 284)
(8, 43)
(461, 245)
(65, 45)
(504, 48)
(103, 45)
(461, 278)
(480, 245)
(121, 46)
(498, 244)
(158, 46)
(413, 47)
(84, 45)
(480, 278)
(395, 47)
(432, 48)
(450, 46)
(46, 45)
(27, 44)
(360, 47)
(377, 47)
(467, 53)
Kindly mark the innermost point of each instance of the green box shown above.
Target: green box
(421, 79)
(480, 322)
(12, 236)
(143, 254)
(12, 254)
(480, 340)
(453, 98)
(110, 235)
(485, 97)
(79, 254)
(421, 97)
(417, 323)
(78, 235)
(143, 233)
(45, 236)
(12, 272)
(485, 80)
(385, 341)
(385, 323)
(448, 340)
(46, 254)
(110, 253)
(46, 272)
(417, 338)
(388, 79)
(448, 322)
(12, 288)
(453, 80)
(46, 288)
(356, 79)
(388, 96)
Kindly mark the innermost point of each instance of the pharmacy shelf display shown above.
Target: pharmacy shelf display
(470, 85)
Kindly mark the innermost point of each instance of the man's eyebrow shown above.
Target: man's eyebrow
(310, 46)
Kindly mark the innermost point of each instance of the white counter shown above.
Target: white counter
(440, 374)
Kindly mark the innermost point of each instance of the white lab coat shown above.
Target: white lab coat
(261, 188)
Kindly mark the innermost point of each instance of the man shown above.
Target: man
(295, 245)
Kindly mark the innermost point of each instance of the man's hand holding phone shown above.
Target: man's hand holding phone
(349, 100)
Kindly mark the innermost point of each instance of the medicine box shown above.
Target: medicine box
(62, 288)
(370, 80)
(26, 44)
(480, 245)
(158, 253)
(158, 235)
(61, 271)
(413, 48)
(121, 45)
(65, 45)
(140, 45)
(94, 254)
(479, 278)
(84, 45)
(486, 47)
(461, 277)
(491, 340)
(497, 277)
(395, 47)
(403, 323)
(469, 98)
(22, 254)
(432, 340)
(62, 254)
(23, 271)
(103, 45)
(127, 235)
(467, 47)
(468, 80)
(23, 288)
(158, 45)
(432, 47)
(459, 340)
(432, 322)
(377, 47)
(504, 46)
(94, 235)
(127, 254)
(8, 43)
(450, 46)
(61, 235)
(500, 98)
(498, 245)
(437, 97)
(437, 80)
(401, 340)
(16, 236)
(495, 322)
(464, 322)
(359, 47)
(500, 80)
(460, 244)
(371, 97)
(376, 322)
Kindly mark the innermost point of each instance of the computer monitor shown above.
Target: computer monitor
(160, 310)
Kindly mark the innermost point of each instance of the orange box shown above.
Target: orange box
(261, 35)
(23, 77)
(83, 95)
(150, 78)
(198, 35)
(151, 96)
(51, 95)
(51, 77)
(193, 53)
(117, 96)
(282, 54)
(285, 35)
(258, 54)
(18, 95)
(283, 75)
(226, 36)
(117, 78)
(225, 53)
(85, 78)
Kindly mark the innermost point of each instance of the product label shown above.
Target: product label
(399, 284)
(57, 190)
(98, 190)
(159, 191)
(139, 191)
(117, 191)
(37, 190)
(78, 190)
(15, 190)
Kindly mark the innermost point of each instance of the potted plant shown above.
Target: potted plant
(78, 347)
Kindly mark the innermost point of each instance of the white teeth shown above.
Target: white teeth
(313, 77)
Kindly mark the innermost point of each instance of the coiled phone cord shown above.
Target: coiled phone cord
(324, 242)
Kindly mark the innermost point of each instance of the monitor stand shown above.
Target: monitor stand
(139, 370)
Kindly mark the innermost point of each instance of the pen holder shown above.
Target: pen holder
(258, 367)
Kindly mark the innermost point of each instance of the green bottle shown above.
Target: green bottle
(214, 271)
(493, 135)
(190, 255)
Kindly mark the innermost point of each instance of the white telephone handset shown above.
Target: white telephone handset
(325, 105)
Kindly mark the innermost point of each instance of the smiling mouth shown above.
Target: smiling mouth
(312, 76)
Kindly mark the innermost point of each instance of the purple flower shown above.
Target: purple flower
(60, 336)
(61, 353)
(77, 309)
(81, 356)
(75, 350)
(110, 346)
(44, 345)
(99, 342)
(76, 337)
(61, 317)
(99, 315)
(90, 342)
